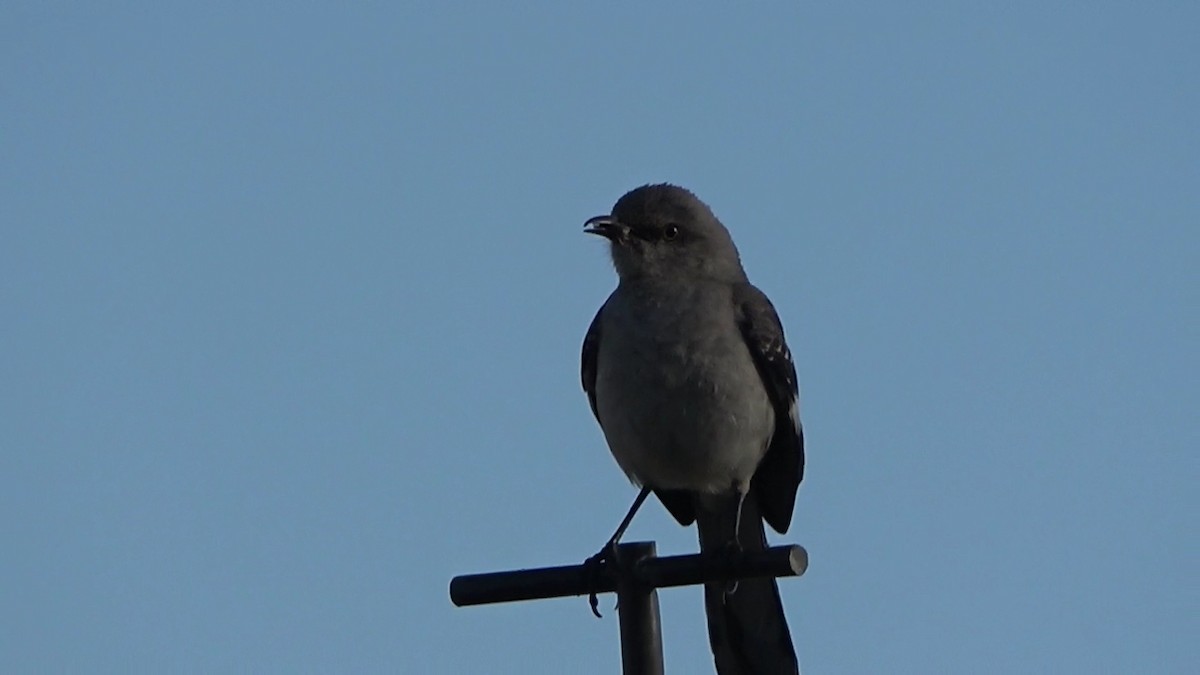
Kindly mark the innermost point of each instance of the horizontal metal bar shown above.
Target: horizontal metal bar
(653, 572)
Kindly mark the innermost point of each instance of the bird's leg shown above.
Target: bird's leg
(733, 548)
(608, 553)
(737, 521)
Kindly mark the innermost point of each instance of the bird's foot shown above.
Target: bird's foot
(593, 567)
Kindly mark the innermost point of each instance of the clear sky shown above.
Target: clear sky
(291, 300)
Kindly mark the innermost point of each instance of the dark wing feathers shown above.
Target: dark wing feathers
(587, 363)
(778, 476)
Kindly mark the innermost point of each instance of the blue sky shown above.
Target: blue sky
(291, 301)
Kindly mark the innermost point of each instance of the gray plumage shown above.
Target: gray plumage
(687, 371)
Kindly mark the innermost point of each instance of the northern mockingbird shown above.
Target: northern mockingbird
(687, 371)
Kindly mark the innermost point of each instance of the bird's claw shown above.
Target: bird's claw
(594, 564)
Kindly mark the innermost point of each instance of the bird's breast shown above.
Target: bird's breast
(678, 395)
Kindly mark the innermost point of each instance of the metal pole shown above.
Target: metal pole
(637, 610)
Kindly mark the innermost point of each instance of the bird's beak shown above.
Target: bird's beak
(607, 227)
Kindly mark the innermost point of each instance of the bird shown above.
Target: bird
(687, 370)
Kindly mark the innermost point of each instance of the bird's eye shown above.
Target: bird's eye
(670, 231)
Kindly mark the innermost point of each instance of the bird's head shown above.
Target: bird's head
(665, 231)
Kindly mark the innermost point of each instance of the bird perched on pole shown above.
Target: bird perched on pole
(688, 373)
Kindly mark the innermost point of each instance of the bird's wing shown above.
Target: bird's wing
(587, 362)
(779, 474)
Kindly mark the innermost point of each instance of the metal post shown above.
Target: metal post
(637, 610)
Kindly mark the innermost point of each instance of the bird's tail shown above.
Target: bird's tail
(747, 628)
